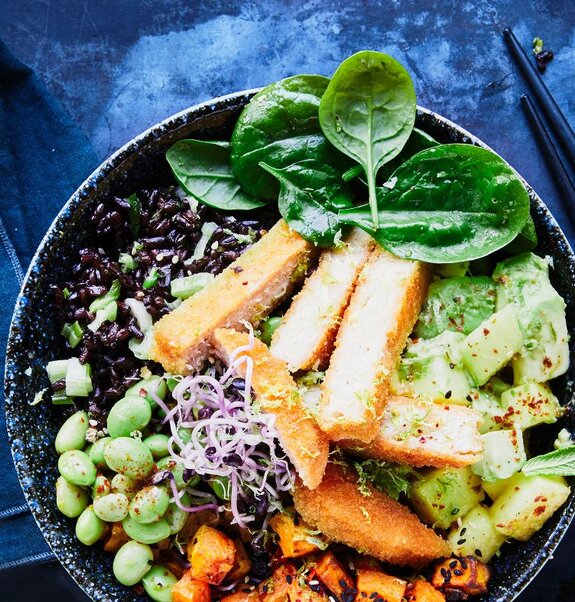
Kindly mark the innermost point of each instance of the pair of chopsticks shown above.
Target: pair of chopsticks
(564, 174)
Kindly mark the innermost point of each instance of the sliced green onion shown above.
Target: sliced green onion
(208, 228)
(66, 292)
(139, 311)
(247, 239)
(61, 399)
(171, 305)
(107, 313)
(152, 278)
(78, 378)
(135, 210)
(38, 397)
(187, 286)
(141, 349)
(137, 246)
(56, 370)
(352, 172)
(127, 262)
(112, 295)
(72, 332)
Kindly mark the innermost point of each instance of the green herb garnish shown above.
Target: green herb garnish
(392, 479)
(558, 462)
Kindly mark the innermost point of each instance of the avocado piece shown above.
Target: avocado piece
(528, 405)
(476, 532)
(432, 369)
(503, 455)
(459, 304)
(492, 345)
(523, 281)
(442, 495)
(489, 407)
(495, 488)
(527, 502)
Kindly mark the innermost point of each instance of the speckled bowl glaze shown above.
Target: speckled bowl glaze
(34, 340)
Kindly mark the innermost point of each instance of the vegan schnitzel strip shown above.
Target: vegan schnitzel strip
(380, 315)
(277, 393)
(422, 433)
(248, 289)
(305, 337)
(374, 524)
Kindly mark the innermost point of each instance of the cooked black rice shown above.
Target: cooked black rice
(168, 231)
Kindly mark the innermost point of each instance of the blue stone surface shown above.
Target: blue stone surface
(120, 67)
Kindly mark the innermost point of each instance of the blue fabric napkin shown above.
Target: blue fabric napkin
(44, 157)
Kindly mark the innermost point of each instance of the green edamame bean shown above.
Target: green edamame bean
(89, 527)
(132, 561)
(150, 533)
(144, 388)
(72, 434)
(70, 499)
(123, 484)
(101, 486)
(158, 583)
(96, 453)
(175, 517)
(112, 507)
(158, 445)
(128, 415)
(129, 457)
(77, 468)
(149, 504)
(177, 469)
(268, 327)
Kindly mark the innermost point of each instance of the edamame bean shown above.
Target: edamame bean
(128, 415)
(132, 561)
(158, 583)
(268, 327)
(101, 486)
(72, 434)
(77, 468)
(96, 453)
(89, 527)
(70, 499)
(158, 445)
(150, 533)
(149, 504)
(175, 517)
(144, 388)
(129, 457)
(177, 469)
(112, 507)
(123, 484)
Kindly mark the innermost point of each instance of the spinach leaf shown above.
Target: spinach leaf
(280, 126)
(450, 203)
(417, 142)
(368, 112)
(525, 241)
(203, 171)
(311, 194)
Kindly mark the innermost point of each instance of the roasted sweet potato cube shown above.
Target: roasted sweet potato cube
(467, 575)
(212, 555)
(242, 563)
(332, 574)
(243, 596)
(306, 593)
(276, 587)
(188, 589)
(422, 591)
(375, 585)
(116, 538)
(294, 535)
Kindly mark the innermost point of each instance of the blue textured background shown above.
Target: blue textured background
(120, 66)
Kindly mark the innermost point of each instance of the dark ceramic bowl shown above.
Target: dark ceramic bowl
(34, 340)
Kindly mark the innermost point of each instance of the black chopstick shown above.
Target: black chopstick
(556, 118)
(563, 179)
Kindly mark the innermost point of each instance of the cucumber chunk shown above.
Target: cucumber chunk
(492, 345)
(489, 407)
(495, 488)
(529, 405)
(442, 495)
(476, 533)
(503, 455)
(527, 502)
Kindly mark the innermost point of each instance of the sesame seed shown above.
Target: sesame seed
(478, 553)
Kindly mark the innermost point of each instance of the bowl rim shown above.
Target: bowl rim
(90, 185)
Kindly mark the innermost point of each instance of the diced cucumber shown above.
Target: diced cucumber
(503, 455)
(56, 370)
(78, 378)
(492, 345)
(529, 405)
(442, 495)
(495, 488)
(490, 409)
(527, 502)
(458, 304)
(431, 369)
(496, 386)
(476, 532)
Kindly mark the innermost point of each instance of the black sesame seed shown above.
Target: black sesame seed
(478, 553)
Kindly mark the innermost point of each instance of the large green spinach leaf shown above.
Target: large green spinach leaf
(450, 203)
(368, 113)
(280, 126)
(311, 194)
(203, 171)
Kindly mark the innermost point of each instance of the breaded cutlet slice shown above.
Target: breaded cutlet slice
(248, 289)
(423, 433)
(375, 524)
(305, 337)
(380, 315)
(277, 393)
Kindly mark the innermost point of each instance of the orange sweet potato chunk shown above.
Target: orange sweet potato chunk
(212, 555)
(375, 585)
